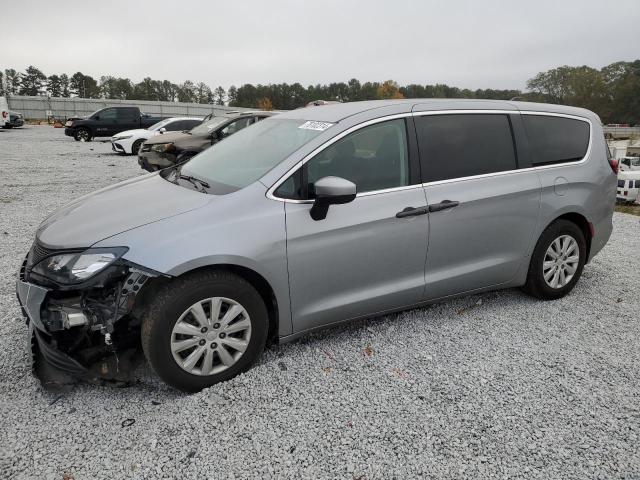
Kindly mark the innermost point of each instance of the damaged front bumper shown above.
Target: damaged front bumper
(89, 333)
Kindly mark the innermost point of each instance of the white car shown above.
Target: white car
(131, 140)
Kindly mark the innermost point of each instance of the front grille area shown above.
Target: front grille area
(37, 253)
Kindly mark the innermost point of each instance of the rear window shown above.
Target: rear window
(556, 139)
(463, 145)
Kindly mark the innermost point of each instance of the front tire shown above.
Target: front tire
(204, 328)
(136, 146)
(82, 135)
(557, 261)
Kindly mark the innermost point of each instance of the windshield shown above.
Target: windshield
(205, 128)
(159, 125)
(244, 157)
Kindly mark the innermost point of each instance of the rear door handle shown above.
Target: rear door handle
(443, 205)
(412, 212)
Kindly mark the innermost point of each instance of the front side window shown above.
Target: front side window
(373, 158)
(556, 139)
(247, 155)
(463, 145)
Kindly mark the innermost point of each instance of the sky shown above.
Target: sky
(463, 43)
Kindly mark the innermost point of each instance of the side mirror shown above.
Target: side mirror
(97, 117)
(331, 191)
(162, 130)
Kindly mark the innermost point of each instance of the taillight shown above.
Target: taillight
(4, 114)
(614, 165)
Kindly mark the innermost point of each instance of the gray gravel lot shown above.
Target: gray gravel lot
(491, 386)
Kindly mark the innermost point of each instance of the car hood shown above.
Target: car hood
(138, 132)
(116, 209)
(168, 137)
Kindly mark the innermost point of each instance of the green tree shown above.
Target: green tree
(219, 95)
(84, 86)
(54, 87)
(232, 95)
(186, 92)
(203, 93)
(32, 82)
(12, 81)
(64, 86)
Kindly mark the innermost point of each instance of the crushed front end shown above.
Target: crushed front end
(83, 309)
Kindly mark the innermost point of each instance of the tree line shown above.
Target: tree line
(613, 91)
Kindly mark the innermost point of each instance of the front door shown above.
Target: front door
(361, 259)
(483, 205)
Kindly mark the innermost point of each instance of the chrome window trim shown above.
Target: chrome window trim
(270, 192)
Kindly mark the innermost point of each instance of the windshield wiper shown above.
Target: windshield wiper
(199, 184)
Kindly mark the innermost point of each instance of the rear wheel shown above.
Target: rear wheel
(82, 135)
(557, 261)
(204, 328)
(136, 146)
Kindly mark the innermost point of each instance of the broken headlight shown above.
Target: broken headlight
(75, 267)
(162, 147)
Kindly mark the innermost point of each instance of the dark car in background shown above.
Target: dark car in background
(15, 120)
(165, 150)
(107, 122)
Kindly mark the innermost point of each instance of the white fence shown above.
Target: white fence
(61, 108)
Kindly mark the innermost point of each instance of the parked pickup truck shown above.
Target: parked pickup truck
(107, 122)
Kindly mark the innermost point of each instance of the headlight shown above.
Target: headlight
(162, 147)
(122, 138)
(75, 267)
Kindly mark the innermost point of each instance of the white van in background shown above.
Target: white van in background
(628, 186)
(629, 163)
(4, 111)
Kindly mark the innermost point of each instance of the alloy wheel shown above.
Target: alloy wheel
(211, 336)
(561, 261)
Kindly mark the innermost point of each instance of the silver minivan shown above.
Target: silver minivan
(314, 217)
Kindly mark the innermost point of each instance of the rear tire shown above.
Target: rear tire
(82, 135)
(136, 146)
(557, 261)
(182, 313)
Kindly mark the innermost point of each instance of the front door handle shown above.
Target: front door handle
(412, 212)
(443, 205)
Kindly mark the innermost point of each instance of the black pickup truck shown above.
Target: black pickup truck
(107, 122)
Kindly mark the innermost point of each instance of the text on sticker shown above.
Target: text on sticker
(320, 126)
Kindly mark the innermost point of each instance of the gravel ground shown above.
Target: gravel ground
(491, 386)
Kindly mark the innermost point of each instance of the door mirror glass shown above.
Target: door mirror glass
(331, 191)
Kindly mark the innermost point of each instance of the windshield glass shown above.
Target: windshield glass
(247, 155)
(159, 125)
(205, 128)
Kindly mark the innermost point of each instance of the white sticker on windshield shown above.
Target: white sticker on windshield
(320, 126)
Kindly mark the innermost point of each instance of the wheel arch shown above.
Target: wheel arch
(582, 223)
(258, 281)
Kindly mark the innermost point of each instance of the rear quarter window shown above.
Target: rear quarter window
(556, 139)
